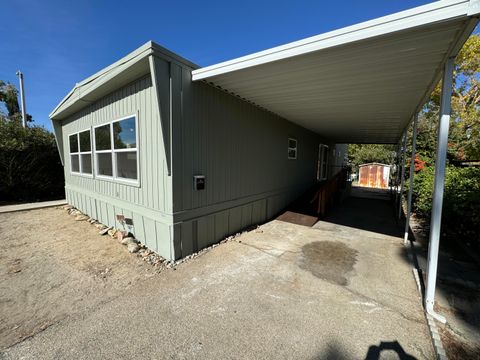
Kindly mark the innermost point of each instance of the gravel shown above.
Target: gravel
(134, 246)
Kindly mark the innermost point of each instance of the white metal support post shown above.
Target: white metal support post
(402, 180)
(412, 172)
(438, 187)
(397, 171)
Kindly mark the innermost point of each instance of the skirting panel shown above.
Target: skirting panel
(194, 235)
(184, 238)
(154, 234)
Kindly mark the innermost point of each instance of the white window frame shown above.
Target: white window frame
(79, 153)
(113, 151)
(322, 150)
(292, 148)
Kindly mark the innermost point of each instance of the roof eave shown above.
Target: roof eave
(100, 78)
(83, 90)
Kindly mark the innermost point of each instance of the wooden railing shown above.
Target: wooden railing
(327, 190)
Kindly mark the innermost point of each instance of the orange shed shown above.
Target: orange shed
(374, 175)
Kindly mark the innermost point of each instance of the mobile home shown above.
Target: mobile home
(184, 163)
(188, 155)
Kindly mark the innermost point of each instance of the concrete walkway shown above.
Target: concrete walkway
(31, 206)
(282, 291)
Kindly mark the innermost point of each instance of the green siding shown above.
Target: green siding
(155, 185)
(240, 148)
(152, 199)
(242, 151)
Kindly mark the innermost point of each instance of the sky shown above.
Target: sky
(59, 43)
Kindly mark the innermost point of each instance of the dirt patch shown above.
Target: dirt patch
(328, 260)
(456, 348)
(14, 266)
(52, 266)
(457, 295)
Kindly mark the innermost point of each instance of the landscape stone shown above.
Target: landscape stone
(81, 217)
(133, 247)
(128, 240)
(106, 230)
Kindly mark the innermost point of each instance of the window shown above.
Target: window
(116, 150)
(292, 148)
(81, 153)
(74, 163)
(103, 151)
(322, 167)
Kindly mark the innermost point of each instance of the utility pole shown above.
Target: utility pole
(22, 98)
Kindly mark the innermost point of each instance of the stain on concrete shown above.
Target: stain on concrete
(332, 261)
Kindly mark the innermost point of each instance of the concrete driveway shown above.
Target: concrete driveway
(282, 291)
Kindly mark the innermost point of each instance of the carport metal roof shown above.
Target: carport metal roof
(359, 84)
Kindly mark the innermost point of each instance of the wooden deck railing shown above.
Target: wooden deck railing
(327, 190)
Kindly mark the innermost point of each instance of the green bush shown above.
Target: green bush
(461, 202)
(30, 167)
(422, 191)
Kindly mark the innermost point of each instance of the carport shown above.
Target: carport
(364, 83)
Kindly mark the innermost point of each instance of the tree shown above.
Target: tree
(29, 163)
(461, 211)
(426, 138)
(365, 153)
(30, 167)
(464, 137)
(9, 96)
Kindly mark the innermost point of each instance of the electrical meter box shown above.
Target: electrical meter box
(199, 182)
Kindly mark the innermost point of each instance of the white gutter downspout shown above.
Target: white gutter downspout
(404, 150)
(412, 172)
(438, 188)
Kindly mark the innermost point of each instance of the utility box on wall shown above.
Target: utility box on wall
(199, 182)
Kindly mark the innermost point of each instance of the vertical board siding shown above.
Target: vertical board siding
(138, 99)
(242, 152)
(241, 149)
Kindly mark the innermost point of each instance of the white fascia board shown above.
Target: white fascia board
(136, 53)
(63, 101)
(474, 8)
(438, 11)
